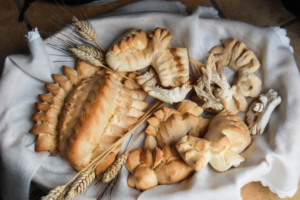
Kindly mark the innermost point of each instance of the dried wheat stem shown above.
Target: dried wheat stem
(81, 183)
(136, 139)
(141, 71)
(86, 31)
(55, 193)
(136, 73)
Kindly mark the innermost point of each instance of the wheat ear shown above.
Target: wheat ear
(86, 31)
(55, 193)
(85, 56)
(83, 181)
(92, 56)
(114, 169)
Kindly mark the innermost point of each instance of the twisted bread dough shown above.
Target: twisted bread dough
(227, 136)
(169, 125)
(133, 51)
(161, 166)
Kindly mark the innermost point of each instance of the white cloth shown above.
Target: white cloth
(272, 158)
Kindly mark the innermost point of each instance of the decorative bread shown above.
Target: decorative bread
(170, 63)
(236, 56)
(260, 111)
(169, 125)
(96, 114)
(86, 111)
(149, 80)
(161, 166)
(242, 60)
(47, 118)
(133, 51)
(127, 52)
(227, 136)
(212, 88)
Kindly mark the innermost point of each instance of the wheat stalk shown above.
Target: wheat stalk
(92, 56)
(92, 51)
(55, 193)
(114, 169)
(81, 183)
(86, 31)
(85, 56)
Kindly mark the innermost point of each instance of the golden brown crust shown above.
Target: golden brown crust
(227, 136)
(160, 166)
(47, 118)
(169, 125)
(97, 112)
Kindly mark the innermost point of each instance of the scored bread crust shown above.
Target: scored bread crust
(47, 118)
(66, 117)
(97, 113)
(151, 168)
(133, 51)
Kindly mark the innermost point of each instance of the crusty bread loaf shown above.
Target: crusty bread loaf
(96, 114)
(47, 118)
(85, 112)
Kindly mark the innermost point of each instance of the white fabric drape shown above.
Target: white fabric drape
(271, 158)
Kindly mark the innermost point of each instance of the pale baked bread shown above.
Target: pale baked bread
(227, 136)
(97, 113)
(242, 60)
(169, 125)
(151, 168)
(127, 52)
(149, 82)
(170, 63)
(236, 56)
(47, 118)
(133, 51)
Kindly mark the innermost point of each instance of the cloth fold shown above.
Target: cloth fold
(271, 158)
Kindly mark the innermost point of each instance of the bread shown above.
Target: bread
(47, 118)
(85, 112)
(227, 136)
(133, 51)
(127, 52)
(96, 114)
(169, 125)
(151, 168)
(242, 60)
(149, 82)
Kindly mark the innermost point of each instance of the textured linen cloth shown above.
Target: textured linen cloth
(272, 158)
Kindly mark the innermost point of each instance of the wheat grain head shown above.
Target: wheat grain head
(83, 181)
(87, 54)
(54, 194)
(114, 169)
